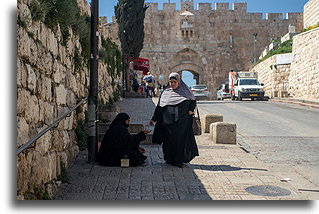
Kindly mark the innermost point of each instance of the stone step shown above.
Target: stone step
(108, 108)
(133, 94)
(107, 112)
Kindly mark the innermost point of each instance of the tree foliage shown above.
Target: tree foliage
(130, 18)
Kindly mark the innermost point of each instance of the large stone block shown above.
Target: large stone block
(45, 88)
(32, 110)
(222, 132)
(209, 119)
(21, 74)
(22, 131)
(43, 144)
(61, 93)
(31, 78)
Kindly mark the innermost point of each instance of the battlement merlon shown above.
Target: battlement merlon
(273, 16)
(296, 16)
(204, 6)
(151, 7)
(241, 7)
(187, 5)
(169, 6)
(221, 6)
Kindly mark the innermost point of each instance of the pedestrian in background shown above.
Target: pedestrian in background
(118, 143)
(173, 118)
(149, 82)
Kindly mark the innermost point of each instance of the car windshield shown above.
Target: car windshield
(249, 82)
(199, 86)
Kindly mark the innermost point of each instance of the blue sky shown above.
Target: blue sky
(106, 7)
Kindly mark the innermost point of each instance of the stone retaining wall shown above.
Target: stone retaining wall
(304, 76)
(48, 86)
(300, 78)
(273, 76)
(311, 13)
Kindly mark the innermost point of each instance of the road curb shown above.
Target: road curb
(309, 103)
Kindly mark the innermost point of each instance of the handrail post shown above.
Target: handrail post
(93, 91)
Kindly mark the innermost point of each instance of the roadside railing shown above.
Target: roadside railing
(54, 124)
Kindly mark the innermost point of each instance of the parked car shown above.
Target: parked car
(223, 92)
(200, 91)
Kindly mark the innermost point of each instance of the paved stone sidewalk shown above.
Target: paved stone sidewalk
(221, 172)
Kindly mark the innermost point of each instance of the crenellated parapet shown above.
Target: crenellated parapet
(240, 7)
(151, 7)
(204, 6)
(274, 16)
(221, 6)
(169, 7)
(187, 5)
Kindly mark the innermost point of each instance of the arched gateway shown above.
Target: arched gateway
(208, 42)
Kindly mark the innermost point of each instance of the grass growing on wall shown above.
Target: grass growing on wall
(81, 135)
(66, 14)
(64, 176)
(311, 27)
(285, 47)
(111, 56)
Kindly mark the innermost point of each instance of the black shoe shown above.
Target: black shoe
(179, 165)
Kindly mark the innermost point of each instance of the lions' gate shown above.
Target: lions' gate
(208, 42)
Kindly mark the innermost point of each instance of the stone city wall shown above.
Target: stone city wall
(215, 40)
(311, 13)
(205, 41)
(47, 86)
(304, 75)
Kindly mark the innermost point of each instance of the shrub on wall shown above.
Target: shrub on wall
(66, 14)
(311, 27)
(111, 56)
(81, 135)
(285, 47)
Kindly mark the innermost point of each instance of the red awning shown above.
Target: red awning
(141, 64)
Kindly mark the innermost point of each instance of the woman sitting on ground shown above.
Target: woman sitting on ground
(118, 143)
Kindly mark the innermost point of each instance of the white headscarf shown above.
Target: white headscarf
(173, 97)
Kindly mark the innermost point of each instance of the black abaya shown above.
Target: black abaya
(117, 143)
(174, 129)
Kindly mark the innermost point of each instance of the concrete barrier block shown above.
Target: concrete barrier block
(222, 132)
(209, 119)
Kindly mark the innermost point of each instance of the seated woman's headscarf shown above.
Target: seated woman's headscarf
(173, 97)
(120, 120)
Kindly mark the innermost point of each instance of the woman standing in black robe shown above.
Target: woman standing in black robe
(173, 118)
(118, 143)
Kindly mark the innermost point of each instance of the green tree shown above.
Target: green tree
(130, 18)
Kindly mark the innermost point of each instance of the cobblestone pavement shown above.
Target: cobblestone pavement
(220, 172)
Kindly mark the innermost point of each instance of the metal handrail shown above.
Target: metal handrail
(22, 148)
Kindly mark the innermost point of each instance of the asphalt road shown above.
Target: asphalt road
(283, 135)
